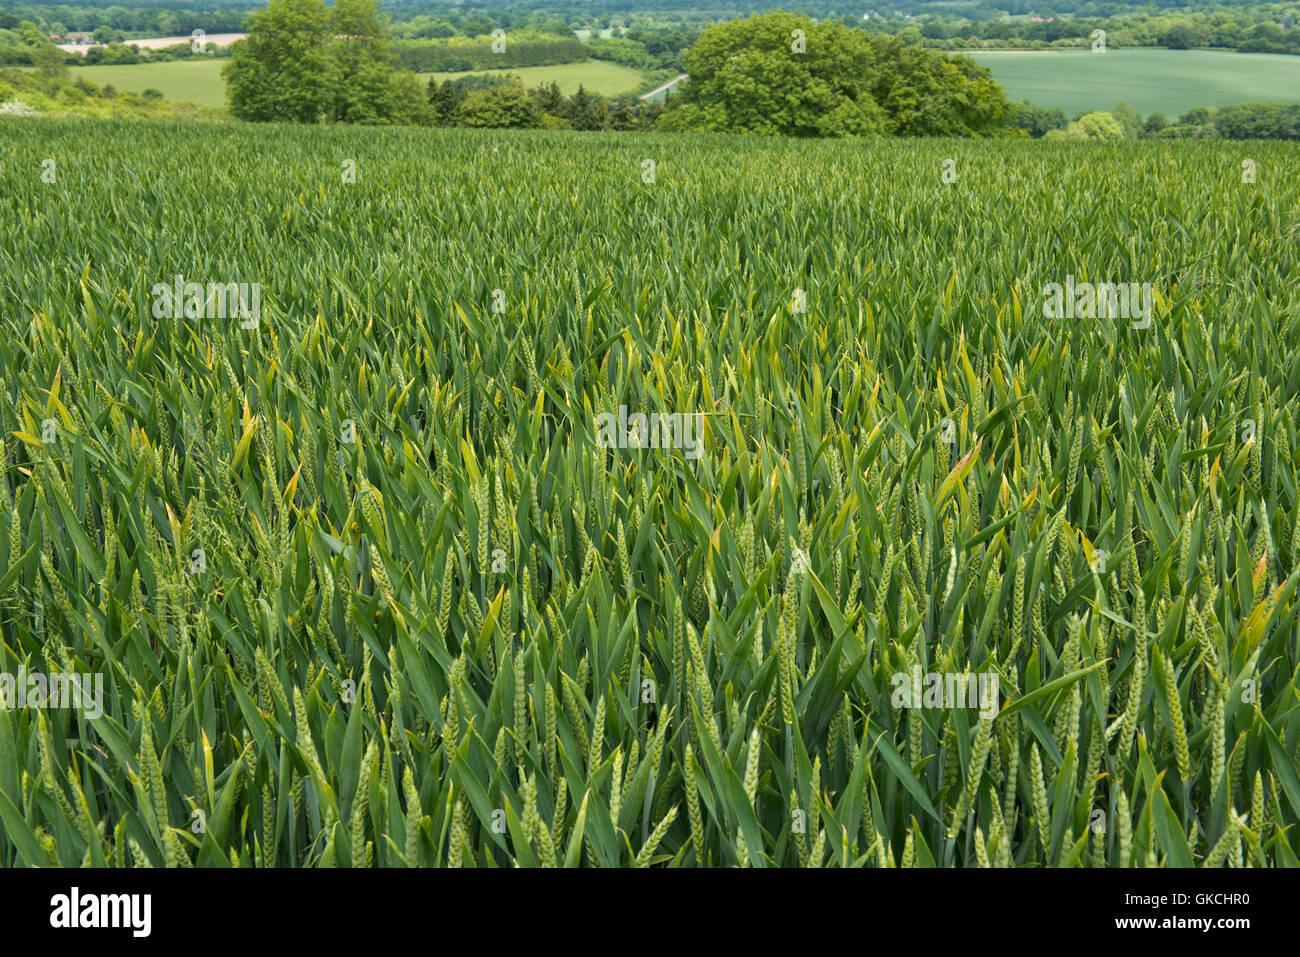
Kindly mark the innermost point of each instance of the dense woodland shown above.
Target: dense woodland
(659, 31)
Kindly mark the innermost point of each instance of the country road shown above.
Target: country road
(660, 89)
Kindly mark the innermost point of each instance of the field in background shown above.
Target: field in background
(199, 81)
(194, 81)
(596, 76)
(157, 43)
(1170, 81)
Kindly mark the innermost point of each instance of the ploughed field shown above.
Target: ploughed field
(444, 497)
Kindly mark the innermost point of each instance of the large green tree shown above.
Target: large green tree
(505, 105)
(281, 71)
(363, 87)
(48, 59)
(304, 62)
(780, 73)
(1036, 119)
(928, 93)
(586, 111)
(444, 101)
(1093, 125)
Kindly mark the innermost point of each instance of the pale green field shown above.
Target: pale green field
(597, 76)
(1171, 81)
(195, 81)
(199, 81)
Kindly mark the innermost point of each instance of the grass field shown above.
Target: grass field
(200, 81)
(195, 81)
(389, 576)
(597, 76)
(1170, 81)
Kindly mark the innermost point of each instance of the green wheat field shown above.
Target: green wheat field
(366, 590)
(1149, 80)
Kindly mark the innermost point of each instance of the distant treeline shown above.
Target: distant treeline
(1253, 30)
(639, 50)
(1255, 121)
(1240, 121)
(1249, 26)
(462, 54)
(605, 11)
(222, 16)
(26, 46)
(491, 100)
(658, 49)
